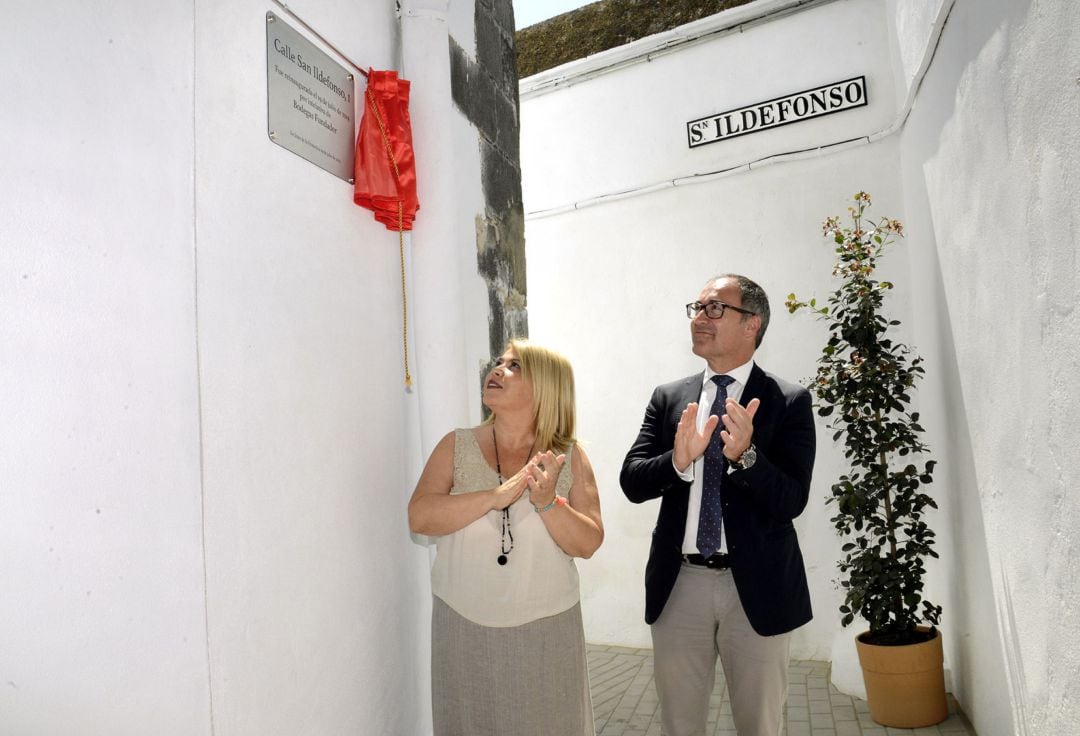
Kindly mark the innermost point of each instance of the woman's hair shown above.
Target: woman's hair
(552, 380)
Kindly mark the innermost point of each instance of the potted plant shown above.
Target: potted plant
(863, 385)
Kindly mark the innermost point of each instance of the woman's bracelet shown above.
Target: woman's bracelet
(557, 501)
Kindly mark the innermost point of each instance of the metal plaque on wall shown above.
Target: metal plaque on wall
(309, 100)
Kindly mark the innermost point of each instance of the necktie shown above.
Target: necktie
(708, 534)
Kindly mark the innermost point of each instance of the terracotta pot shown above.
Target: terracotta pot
(905, 685)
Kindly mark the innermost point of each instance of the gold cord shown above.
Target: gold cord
(401, 240)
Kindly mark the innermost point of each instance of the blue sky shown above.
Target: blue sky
(527, 12)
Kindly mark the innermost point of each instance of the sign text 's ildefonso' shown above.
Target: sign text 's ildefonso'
(811, 103)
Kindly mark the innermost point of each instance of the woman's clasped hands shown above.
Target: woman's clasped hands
(543, 477)
(511, 489)
(539, 477)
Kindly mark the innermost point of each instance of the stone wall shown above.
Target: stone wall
(605, 25)
(485, 91)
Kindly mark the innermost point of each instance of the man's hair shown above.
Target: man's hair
(755, 299)
(552, 379)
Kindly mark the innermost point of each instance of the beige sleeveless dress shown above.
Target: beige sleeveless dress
(508, 648)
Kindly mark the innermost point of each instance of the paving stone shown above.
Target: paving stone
(798, 714)
(799, 701)
(794, 728)
(843, 713)
(848, 728)
(625, 702)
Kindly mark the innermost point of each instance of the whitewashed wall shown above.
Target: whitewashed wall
(589, 131)
(982, 173)
(609, 290)
(303, 409)
(207, 445)
(102, 623)
(608, 282)
(990, 160)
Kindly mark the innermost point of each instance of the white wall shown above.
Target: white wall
(990, 157)
(208, 448)
(608, 286)
(912, 28)
(452, 328)
(983, 175)
(102, 623)
(311, 630)
(620, 272)
(594, 135)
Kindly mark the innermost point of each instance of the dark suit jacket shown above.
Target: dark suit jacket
(758, 503)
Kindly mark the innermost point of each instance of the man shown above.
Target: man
(725, 576)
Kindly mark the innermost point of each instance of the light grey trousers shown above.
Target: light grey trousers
(704, 619)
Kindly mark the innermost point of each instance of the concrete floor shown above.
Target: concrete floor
(625, 702)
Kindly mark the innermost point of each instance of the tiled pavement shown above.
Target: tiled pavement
(625, 702)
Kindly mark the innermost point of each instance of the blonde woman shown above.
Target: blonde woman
(511, 503)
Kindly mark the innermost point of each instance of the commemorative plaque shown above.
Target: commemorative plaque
(309, 100)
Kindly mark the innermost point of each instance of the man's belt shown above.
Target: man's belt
(719, 561)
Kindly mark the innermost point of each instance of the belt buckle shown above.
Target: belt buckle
(718, 561)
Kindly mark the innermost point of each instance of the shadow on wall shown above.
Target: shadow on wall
(978, 69)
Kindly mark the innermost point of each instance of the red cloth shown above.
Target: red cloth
(377, 187)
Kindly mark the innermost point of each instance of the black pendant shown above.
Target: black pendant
(502, 559)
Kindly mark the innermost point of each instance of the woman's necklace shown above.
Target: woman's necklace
(506, 530)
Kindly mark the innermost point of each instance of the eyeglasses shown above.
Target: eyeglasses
(713, 310)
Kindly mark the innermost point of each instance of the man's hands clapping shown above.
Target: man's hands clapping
(737, 434)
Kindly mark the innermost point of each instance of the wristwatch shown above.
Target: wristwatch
(746, 460)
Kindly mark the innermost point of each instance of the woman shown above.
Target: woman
(511, 503)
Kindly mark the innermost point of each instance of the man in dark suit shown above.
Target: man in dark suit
(729, 452)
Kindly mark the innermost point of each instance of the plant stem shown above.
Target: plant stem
(890, 525)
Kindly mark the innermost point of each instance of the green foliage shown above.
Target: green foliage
(863, 385)
(599, 26)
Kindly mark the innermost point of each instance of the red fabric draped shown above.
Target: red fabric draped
(385, 166)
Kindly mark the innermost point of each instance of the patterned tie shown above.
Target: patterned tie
(708, 533)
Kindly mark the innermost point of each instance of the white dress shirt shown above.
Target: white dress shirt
(694, 472)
